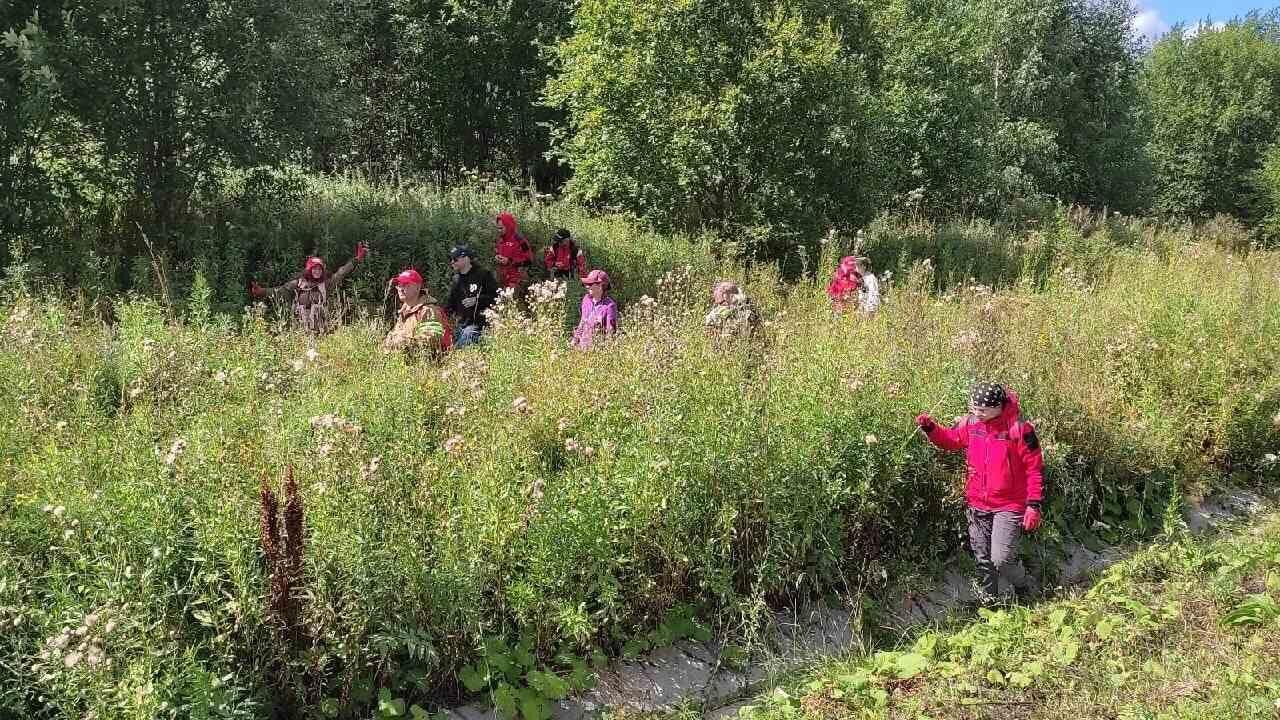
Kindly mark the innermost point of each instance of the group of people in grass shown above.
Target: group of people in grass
(424, 322)
(1004, 478)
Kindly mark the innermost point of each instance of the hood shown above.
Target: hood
(508, 222)
(845, 278)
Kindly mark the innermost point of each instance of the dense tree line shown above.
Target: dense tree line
(125, 124)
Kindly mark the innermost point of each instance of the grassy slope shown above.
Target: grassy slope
(1188, 629)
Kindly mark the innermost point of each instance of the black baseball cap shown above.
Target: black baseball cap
(460, 251)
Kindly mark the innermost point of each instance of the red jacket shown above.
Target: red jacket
(1005, 461)
(565, 257)
(843, 288)
(515, 249)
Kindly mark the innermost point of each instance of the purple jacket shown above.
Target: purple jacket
(596, 317)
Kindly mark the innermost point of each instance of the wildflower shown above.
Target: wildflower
(325, 449)
(562, 424)
(520, 404)
(178, 447)
(220, 377)
(453, 410)
(135, 393)
(453, 445)
(1270, 459)
(110, 626)
(62, 425)
(1276, 420)
(59, 511)
(312, 355)
(71, 660)
(871, 439)
(588, 451)
(571, 444)
(66, 534)
(297, 365)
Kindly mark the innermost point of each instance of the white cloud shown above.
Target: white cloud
(1148, 23)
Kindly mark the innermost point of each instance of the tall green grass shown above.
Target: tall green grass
(576, 498)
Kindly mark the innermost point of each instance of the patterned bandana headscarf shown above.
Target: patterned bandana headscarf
(988, 395)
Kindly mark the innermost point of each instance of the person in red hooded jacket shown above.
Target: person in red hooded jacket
(1005, 485)
(311, 290)
(512, 253)
(843, 288)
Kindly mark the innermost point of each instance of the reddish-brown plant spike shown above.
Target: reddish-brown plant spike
(293, 524)
(279, 600)
(269, 527)
(292, 565)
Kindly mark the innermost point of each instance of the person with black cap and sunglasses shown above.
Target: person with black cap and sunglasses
(474, 291)
(1005, 484)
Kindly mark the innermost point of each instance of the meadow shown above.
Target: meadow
(506, 519)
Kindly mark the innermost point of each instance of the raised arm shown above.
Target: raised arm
(951, 439)
(336, 279)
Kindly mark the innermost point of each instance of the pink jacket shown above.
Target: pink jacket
(1005, 462)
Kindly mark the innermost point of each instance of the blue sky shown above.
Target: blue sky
(1156, 16)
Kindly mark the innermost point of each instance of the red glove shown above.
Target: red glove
(925, 423)
(256, 291)
(1030, 519)
(361, 249)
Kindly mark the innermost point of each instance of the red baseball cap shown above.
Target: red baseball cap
(312, 262)
(596, 276)
(408, 277)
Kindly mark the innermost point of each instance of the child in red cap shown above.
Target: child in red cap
(1004, 486)
(311, 290)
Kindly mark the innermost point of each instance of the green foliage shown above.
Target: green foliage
(1268, 184)
(712, 113)
(1212, 97)
(1168, 633)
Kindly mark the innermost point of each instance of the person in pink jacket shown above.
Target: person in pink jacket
(1005, 485)
(599, 318)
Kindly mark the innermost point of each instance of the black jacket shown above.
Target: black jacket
(486, 292)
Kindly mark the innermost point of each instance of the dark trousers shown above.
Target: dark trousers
(993, 537)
